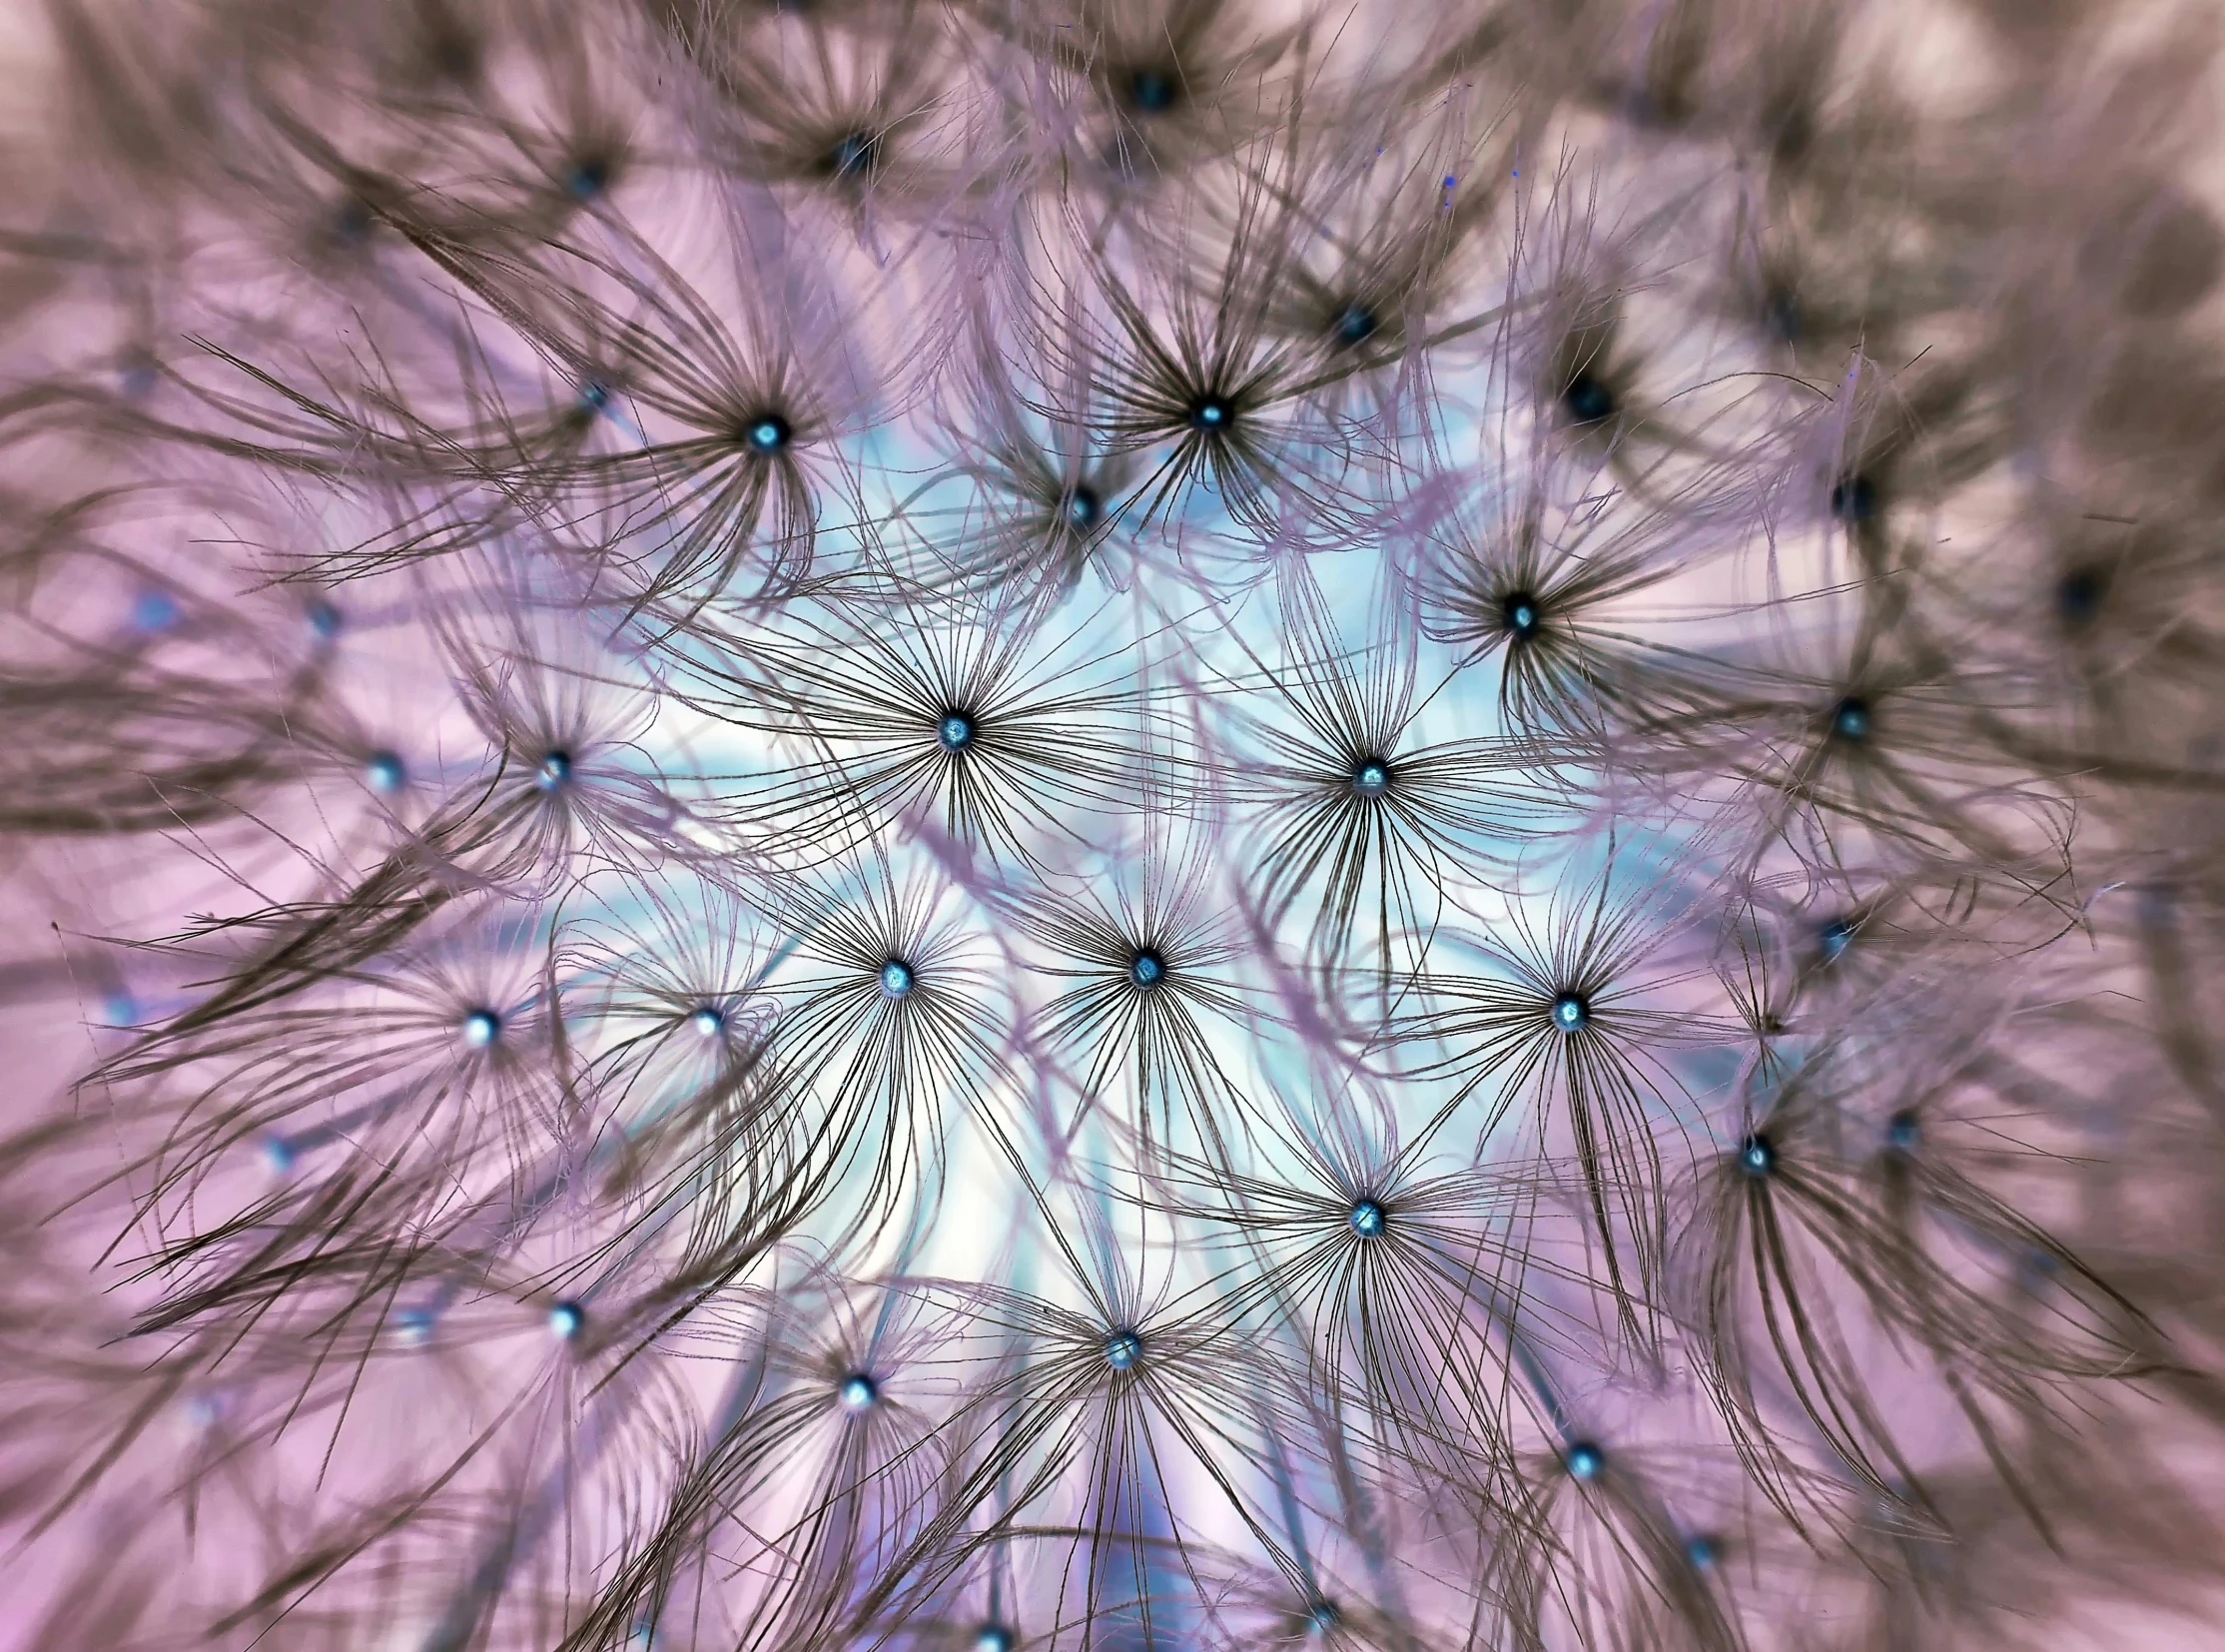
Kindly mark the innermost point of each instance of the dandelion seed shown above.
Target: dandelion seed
(1153, 90)
(1212, 414)
(1854, 498)
(1356, 324)
(1587, 400)
(1757, 1156)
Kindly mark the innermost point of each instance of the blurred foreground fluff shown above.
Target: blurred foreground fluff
(998, 825)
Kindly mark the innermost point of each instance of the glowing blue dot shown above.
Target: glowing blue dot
(708, 1022)
(155, 611)
(1584, 1460)
(1366, 1219)
(1371, 779)
(992, 1637)
(1701, 1553)
(324, 619)
(1212, 412)
(567, 1319)
(120, 1010)
(1570, 1011)
(594, 395)
(414, 1325)
(1902, 1131)
(1322, 1616)
(1757, 1155)
(1083, 507)
(553, 772)
(278, 1155)
(482, 1027)
(1835, 937)
(1851, 719)
(769, 434)
(895, 978)
(855, 155)
(1356, 324)
(1122, 1349)
(384, 772)
(858, 1392)
(954, 731)
(1147, 969)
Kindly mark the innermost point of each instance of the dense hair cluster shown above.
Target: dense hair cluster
(916, 825)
